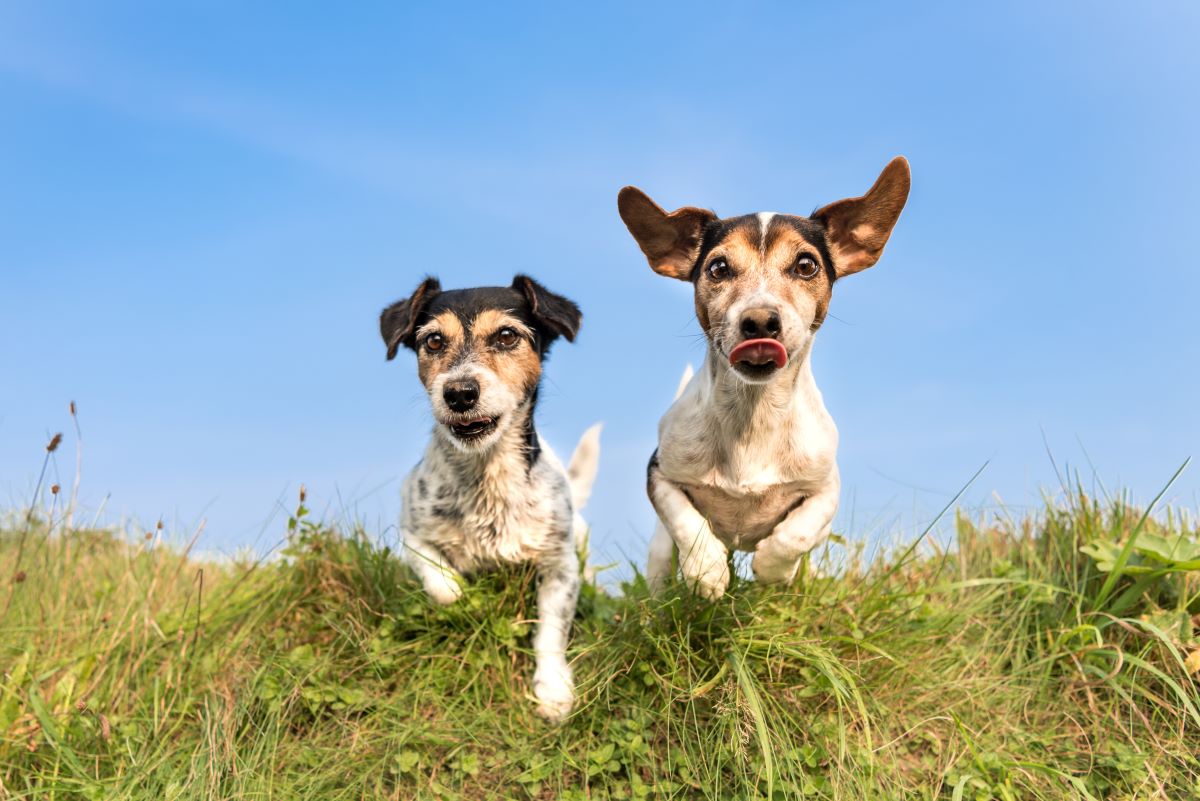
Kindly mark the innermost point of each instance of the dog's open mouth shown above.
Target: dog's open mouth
(473, 429)
(759, 357)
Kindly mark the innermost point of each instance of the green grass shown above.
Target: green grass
(1051, 657)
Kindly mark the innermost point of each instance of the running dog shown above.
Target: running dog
(746, 456)
(488, 490)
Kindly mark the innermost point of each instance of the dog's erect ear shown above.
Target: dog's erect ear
(671, 242)
(554, 315)
(859, 227)
(398, 321)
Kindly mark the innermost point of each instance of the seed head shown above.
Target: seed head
(54, 442)
(54, 488)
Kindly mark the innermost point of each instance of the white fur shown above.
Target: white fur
(581, 475)
(743, 466)
(764, 221)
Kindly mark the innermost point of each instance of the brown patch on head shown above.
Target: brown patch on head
(793, 241)
(737, 245)
(452, 334)
(516, 365)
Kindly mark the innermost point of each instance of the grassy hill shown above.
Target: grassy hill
(1043, 658)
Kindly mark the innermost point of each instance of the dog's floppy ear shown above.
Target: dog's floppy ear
(554, 315)
(398, 321)
(859, 227)
(671, 242)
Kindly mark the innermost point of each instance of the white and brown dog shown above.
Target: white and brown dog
(746, 456)
(488, 490)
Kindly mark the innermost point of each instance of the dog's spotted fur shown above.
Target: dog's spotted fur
(476, 502)
(747, 454)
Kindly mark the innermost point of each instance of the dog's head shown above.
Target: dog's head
(763, 281)
(479, 351)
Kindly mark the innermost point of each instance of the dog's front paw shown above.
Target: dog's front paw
(443, 588)
(706, 571)
(554, 688)
(773, 564)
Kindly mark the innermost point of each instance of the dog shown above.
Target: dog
(488, 490)
(746, 456)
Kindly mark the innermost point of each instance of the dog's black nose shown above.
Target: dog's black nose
(460, 396)
(761, 324)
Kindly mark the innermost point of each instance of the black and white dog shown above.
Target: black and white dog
(747, 455)
(488, 490)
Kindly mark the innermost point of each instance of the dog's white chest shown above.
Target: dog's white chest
(745, 474)
(483, 539)
(510, 515)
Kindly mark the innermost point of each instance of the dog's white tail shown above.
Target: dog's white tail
(585, 461)
(688, 372)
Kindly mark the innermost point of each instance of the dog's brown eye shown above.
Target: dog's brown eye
(507, 338)
(805, 267)
(434, 343)
(718, 269)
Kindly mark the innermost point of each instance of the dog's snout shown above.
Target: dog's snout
(761, 323)
(461, 395)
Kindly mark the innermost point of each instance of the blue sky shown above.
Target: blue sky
(203, 208)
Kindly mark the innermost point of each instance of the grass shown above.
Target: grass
(1052, 657)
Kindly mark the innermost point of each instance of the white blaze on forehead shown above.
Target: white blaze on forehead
(764, 220)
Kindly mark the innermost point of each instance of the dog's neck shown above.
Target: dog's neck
(741, 407)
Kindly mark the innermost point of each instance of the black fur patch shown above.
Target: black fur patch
(651, 468)
(533, 449)
(445, 512)
(468, 303)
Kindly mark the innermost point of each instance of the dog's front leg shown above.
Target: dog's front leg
(440, 579)
(777, 556)
(558, 590)
(703, 560)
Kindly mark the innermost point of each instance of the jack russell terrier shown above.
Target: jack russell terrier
(746, 456)
(488, 490)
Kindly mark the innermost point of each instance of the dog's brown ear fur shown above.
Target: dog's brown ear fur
(859, 227)
(555, 315)
(398, 322)
(671, 242)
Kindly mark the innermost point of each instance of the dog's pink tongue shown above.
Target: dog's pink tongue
(759, 352)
